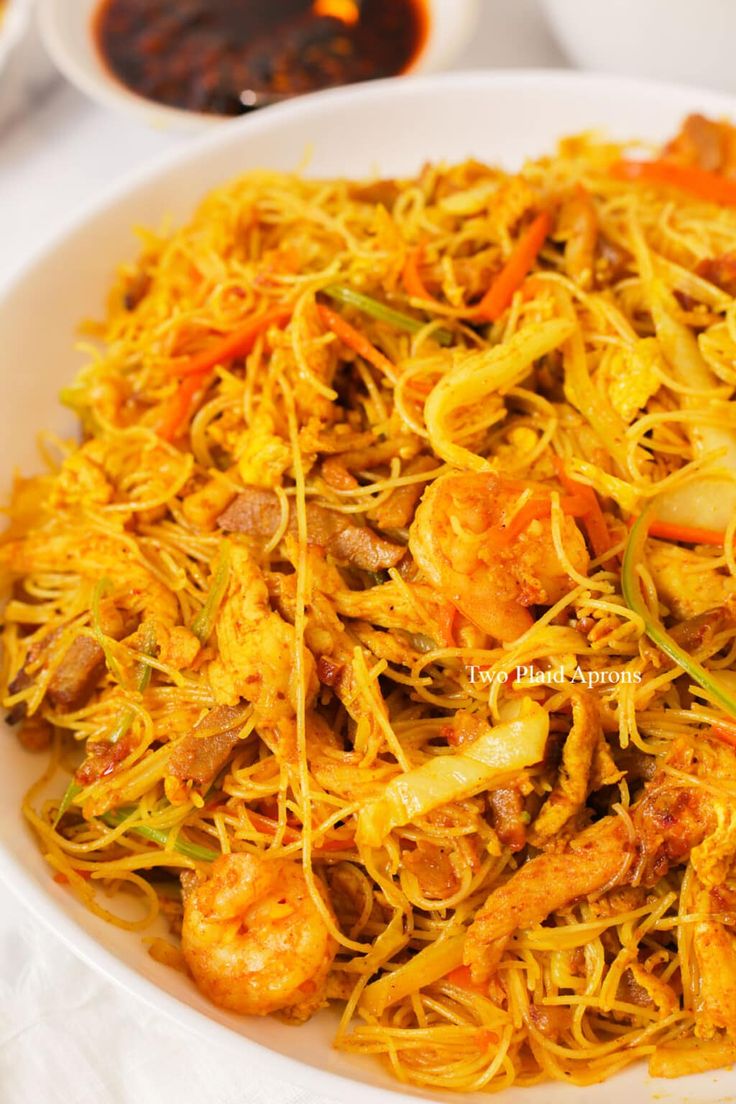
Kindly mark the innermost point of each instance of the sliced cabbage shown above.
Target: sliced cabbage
(492, 760)
(476, 377)
(431, 964)
(709, 500)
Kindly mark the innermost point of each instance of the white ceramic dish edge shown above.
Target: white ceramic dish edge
(13, 24)
(666, 39)
(575, 97)
(26, 71)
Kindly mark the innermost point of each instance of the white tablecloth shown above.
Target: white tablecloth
(68, 1036)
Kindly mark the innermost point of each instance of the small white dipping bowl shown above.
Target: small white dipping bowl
(67, 30)
(25, 69)
(14, 18)
(679, 40)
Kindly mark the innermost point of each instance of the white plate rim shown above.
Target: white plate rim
(400, 86)
(12, 872)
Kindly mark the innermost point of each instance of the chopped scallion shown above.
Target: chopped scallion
(653, 627)
(156, 835)
(342, 294)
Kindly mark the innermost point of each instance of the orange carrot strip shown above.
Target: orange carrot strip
(574, 505)
(536, 509)
(236, 344)
(726, 735)
(421, 387)
(689, 534)
(446, 622)
(593, 519)
(270, 826)
(687, 178)
(532, 287)
(411, 277)
(179, 406)
(335, 844)
(195, 372)
(461, 977)
(356, 341)
(533, 510)
(514, 272)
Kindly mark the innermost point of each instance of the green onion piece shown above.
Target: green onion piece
(653, 627)
(121, 727)
(74, 396)
(69, 794)
(144, 669)
(71, 396)
(141, 685)
(204, 622)
(101, 587)
(380, 311)
(191, 850)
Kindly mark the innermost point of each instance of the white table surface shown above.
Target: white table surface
(66, 1035)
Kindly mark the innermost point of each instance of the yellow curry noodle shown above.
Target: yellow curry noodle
(378, 634)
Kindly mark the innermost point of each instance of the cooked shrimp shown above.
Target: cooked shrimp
(255, 940)
(472, 540)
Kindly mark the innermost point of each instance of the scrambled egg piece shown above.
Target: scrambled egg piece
(685, 580)
(82, 478)
(633, 378)
(202, 507)
(134, 588)
(256, 647)
(178, 646)
(509, 202)
(265, 456)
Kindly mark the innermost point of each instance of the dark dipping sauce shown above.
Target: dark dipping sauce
(202, 54)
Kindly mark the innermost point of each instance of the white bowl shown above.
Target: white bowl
(677, 40)
(14, 19)
(392, 126)
(66, 27)
(25, 68)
